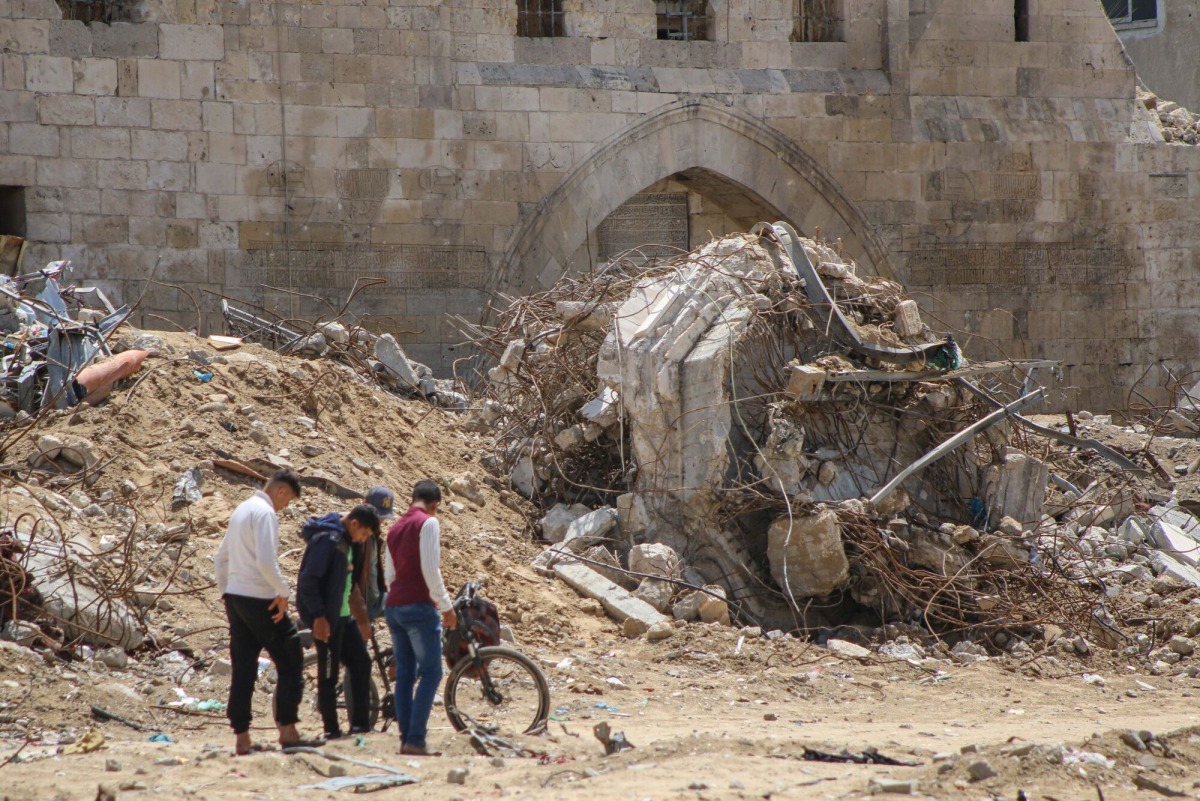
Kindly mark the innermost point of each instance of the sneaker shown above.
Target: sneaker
(418, 750)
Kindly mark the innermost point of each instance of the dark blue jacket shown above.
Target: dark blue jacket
(322, 583)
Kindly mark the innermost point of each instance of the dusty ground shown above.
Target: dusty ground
(698, 718)
(709, 718)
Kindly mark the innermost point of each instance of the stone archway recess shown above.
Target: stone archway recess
(689, 135)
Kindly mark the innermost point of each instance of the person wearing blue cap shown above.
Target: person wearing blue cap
(374, 555)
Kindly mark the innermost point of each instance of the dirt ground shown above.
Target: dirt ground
(706, 724)
(713, 712)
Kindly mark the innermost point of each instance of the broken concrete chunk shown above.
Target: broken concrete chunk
(655, 559)
(602, 410)
(569, 439)
(84, 612)
(805, 382)
(524, 476)
(616, 601)
(465, 486)
(395, 362)
(687, 607)
(335, 332)
(585, 316)
(806, 554)
(1002, 553)
(1174, 541)
(659, 631)
(1015, 487)
(512, 356)
(713, 605)
(656, 592)
(311, 345)
(591, 529)
(906, 319)
(76, 451)
(559, 518)
(609, 566)
(847, 649)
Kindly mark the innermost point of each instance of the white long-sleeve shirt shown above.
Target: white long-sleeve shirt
(247, 561)
(431, 564)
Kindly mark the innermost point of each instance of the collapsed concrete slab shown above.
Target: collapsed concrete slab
(84, 613)
(1015, 487)
(617, 601)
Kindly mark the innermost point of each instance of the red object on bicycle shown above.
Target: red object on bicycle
(481, 619)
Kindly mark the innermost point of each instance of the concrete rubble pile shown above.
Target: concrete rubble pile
(55, 353)
(379, 357)
(754, 432)
(1178, 125)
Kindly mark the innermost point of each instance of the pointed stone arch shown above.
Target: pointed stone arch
(692, 135)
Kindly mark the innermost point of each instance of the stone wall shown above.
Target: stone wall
(279, 152)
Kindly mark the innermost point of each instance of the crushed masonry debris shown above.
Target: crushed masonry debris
(790, 433)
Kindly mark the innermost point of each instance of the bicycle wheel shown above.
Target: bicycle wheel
(347, 689)
(521, 698)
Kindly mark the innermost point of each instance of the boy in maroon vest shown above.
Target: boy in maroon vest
(418, 606)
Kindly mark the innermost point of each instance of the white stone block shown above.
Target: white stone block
(191, 42)
(906, 319)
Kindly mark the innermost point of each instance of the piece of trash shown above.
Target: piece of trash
(389, 777)
(1093, 678)
(92, 740)
(204, 375)
(160, 738)
(362, 784)
(613, 742)
(360, 741)
(220, 342)
(614, 681)
(1146, 783)
(869, 756)
(187, 489)
(1086, 758)
(210, 705)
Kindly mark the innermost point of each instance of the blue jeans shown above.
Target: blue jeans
(417, 642)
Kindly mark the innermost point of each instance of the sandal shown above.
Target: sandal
(255, 748)
(315, 742)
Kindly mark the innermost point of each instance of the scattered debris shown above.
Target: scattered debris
(52, 334)
(868, 756)
(614, 742)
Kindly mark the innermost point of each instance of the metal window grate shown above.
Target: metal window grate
(817, 21)
(540, 18)
(1131, 10)
(682, 20)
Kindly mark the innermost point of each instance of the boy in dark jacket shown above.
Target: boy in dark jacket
(328, 600)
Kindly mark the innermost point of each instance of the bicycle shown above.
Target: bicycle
(494, 689)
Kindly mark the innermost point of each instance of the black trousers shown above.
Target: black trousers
(345, 645)
(251, 631)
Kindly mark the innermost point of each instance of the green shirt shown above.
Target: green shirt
(349, 582)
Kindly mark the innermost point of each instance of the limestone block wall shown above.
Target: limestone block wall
(280, 152)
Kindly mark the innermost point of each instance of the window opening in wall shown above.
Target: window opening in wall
(12, 210)
(817, 21)
(1134, 13)
(1022, 20)
(106, 11)
(540, 18)
(682, 20)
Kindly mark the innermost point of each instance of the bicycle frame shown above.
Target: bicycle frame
(490, 692)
